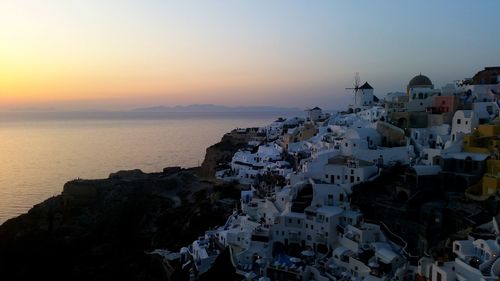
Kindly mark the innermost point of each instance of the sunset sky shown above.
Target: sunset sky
(121, 54)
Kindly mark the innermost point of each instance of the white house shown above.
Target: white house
(383, 260)
(314, 114)
(329, 195)
(475, 260)
(485, 111)
(356, 139)
(246, 166)
(464, 122)
(347, 171)
(275, 129)
(204, 253)
(373, 114)
(321, 226)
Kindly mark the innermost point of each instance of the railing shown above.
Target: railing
(495, 267)
(403, 242)
(486, 267)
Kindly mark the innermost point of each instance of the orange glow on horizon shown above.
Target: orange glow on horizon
(46, 61)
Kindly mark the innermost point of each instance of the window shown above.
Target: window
(357, 179)
(466, 122)
(489, 108)
(289, 220)
(459, 121)
(346, 144)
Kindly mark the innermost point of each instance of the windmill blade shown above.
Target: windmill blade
(355, 87)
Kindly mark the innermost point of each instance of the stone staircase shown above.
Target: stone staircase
(486, 271)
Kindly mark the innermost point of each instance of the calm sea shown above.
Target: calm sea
(40, 152)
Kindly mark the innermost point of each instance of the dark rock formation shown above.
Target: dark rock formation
(219, 155)
(426, 219)
(102, 229)
(222, 269)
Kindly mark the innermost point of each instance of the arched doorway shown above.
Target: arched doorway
(402, 123)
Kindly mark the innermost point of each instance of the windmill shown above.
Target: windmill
(355, 88)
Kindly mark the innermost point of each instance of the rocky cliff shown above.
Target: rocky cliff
(219, 155)
(102, 229)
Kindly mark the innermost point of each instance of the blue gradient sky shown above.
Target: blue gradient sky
(125, 54)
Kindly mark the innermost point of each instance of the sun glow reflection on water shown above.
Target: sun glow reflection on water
(37, 156)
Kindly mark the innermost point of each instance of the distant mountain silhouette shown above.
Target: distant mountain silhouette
(214, 108)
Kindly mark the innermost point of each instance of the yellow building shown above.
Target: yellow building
(307, 131)
(486, 139)
(491, 178)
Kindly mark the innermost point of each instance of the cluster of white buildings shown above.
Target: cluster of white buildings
(247, 165)
(475, 259)
(306, 228)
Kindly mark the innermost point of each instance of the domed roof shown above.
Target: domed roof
(420, 80)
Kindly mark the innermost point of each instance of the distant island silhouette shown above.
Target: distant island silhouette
(214, 108)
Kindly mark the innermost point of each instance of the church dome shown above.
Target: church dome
(420, 80)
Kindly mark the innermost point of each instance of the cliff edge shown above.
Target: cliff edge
(219, 155)
(102, 229)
